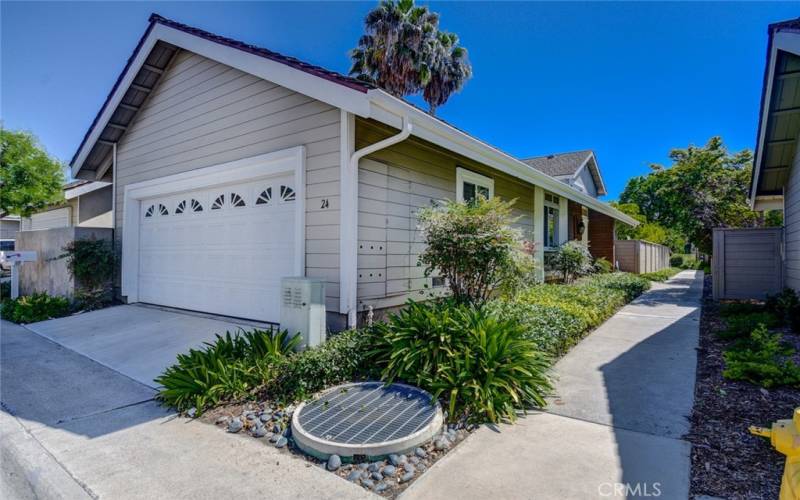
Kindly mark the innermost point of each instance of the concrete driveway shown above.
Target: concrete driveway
(73, 429)
(136, 340)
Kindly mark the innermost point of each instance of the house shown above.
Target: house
(775, 181)
(86, 204)
(234, 166)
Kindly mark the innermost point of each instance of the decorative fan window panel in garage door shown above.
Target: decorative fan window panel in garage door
(221, 250)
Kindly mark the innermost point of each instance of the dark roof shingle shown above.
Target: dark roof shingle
(561, 164)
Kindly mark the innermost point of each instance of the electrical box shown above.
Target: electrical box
(303, 309)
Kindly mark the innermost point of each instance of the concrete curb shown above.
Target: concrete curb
(27, 470)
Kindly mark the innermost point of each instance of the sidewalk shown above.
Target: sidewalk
(72, 428)
(614, 428)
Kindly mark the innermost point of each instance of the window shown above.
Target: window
(180, 208)
(550, 227)
(470, 185)
(7, 245)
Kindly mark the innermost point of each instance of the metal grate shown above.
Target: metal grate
(367, 413)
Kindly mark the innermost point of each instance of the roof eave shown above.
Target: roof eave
(389, 110)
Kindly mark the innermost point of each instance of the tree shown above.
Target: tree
(449, 70)
(646, 230)
(29, 177)
(705, 187)
(404, 52)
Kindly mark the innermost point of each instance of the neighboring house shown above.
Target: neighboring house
(578, 169)
(9, 226)
(235, 166)
(86, 204)
(775, 183)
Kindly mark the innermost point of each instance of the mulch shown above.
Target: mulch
(727, 461)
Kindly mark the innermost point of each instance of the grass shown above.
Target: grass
(662, 275)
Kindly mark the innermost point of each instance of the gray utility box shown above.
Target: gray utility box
(303, 309)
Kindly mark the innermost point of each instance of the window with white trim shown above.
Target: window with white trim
(551, 239)
(470, 185)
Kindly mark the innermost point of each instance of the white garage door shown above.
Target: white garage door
(220, 250)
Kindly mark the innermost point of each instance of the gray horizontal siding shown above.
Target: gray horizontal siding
(792, 226)
(204, 113)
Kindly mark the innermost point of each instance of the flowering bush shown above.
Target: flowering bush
(573, 259)
(473, 246)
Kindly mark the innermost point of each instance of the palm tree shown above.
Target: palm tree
(390, 52)
(446, 71)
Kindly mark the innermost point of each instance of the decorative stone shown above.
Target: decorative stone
(354, 476)
(409, 468)
(420, 453)
(408, 476)
(222, 420)
(363, 465)
(274, 438)
(381, 487)
(376, 476)
(277, 415)
(259, 431)
(394, 459)
(277, 428)
(421, 468)
(413, 460)
(374, 466)
(389, 470)
(367, 483)
(235, 425)
(250, 415)
(334, 462)
(441, 443)
(282, 441)
(191, 412)
(265, 417)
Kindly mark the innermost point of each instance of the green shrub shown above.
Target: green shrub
(344, 357)
(662, 275)
(783, 304)
(556, 317)
(740, 326)
(5, 290)
(572, 260)
(762, 360)
(602, 265)
(474, 247)
(91, 262)
(232, 367)
(35, 307)
(676, 260)
(482, 364)
(728, 309)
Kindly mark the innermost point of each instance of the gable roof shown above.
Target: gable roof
(569, 165)
(778, 122)
(164, 38)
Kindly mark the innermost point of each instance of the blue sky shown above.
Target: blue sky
(628, 80)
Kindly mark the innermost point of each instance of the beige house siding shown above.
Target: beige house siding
(203, 113)
(792, 226)
(394, 183)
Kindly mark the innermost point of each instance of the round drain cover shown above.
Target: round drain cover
(366, 418)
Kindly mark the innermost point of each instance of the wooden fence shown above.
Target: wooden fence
(639, 256)
(747, 263)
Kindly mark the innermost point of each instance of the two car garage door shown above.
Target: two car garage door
(221, 250)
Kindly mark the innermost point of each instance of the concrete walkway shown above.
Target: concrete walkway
(71, 428)
(613, 429)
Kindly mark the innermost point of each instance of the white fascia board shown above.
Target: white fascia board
(387, 109)
(83, 189)
(332, 93)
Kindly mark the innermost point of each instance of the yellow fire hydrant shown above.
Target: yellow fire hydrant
(785, 437)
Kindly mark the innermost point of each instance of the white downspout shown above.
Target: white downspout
(349, 234)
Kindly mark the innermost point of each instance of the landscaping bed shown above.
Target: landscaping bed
(387, 477)
(727, 461)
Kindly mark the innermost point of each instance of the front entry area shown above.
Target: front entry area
(218, 239)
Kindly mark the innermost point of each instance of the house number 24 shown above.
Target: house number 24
(325, 203)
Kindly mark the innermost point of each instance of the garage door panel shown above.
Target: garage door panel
(227, 260)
